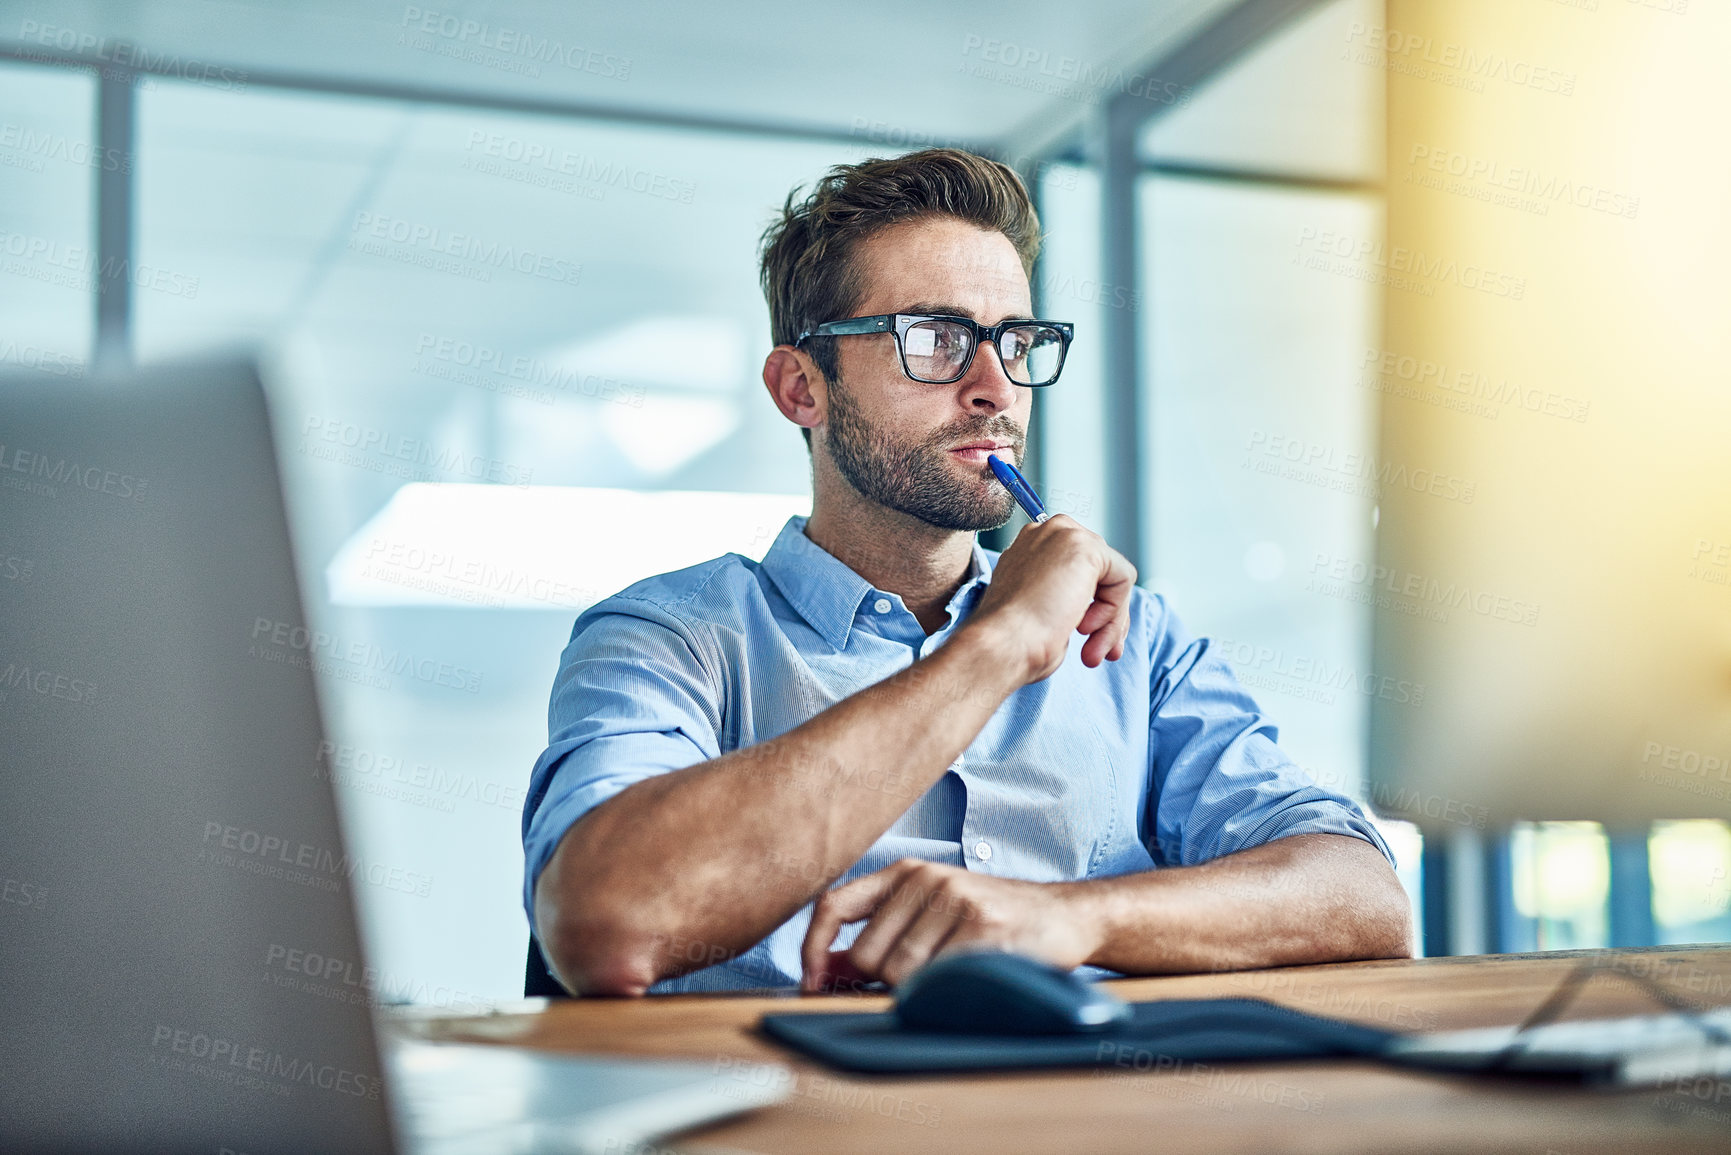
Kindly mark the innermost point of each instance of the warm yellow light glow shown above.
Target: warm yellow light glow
(1691, 865)
(1562, 870)
(1558, 335)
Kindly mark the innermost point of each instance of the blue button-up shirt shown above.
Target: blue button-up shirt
(1157, 759)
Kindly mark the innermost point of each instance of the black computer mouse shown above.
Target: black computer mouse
(993, 992)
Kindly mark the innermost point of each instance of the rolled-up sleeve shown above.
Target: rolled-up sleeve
(1221, 783)
(633, 698)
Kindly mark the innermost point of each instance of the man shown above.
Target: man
(1024, 751)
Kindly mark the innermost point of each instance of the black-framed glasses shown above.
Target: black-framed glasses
(940, 349)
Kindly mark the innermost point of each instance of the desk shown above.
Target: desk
(1322, 1107)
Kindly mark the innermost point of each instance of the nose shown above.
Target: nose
(987, 386)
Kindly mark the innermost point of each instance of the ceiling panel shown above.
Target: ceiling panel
(894, 71)
(1296, 105)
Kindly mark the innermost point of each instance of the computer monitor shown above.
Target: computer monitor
(180, 965)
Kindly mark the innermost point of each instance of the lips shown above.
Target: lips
(976, 452)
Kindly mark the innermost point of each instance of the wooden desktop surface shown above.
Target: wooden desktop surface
(1321, 1107)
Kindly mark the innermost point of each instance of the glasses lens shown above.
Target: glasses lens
(1032, 354)
(936, 350)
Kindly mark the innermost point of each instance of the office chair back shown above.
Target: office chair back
(538, 981)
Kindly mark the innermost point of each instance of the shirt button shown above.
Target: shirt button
(983, 851)
(882, 606)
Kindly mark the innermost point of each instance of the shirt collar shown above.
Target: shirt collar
(826, 593)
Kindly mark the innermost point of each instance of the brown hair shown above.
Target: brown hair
(808, 271)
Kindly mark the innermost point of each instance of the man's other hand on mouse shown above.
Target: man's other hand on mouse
(916, 907)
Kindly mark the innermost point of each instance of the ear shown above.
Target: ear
(795, 385)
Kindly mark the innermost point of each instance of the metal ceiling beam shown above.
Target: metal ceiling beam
(1220, 174)
(116, 117)
(1127, 468)
(1109, 134)
(480, 101)
(1067, 125)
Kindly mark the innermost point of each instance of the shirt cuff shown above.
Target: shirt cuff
(1321, 816)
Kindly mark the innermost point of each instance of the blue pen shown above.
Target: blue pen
(1012, 480)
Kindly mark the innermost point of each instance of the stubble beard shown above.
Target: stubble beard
(914, 478)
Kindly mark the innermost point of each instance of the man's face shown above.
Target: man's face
(899, 441)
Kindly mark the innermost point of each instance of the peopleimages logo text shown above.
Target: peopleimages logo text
(277, 850)
(221, 1052)
(129, 55)
(71, 150)
(53, 262)
(1251, 658)
(514, 42)
(440, 242)
(1409, 269)
(292, 638)
(56, 470)
(1390, 587)
(1068, 75)
(365, 444)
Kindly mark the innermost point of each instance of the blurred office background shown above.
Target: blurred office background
(1428, 438)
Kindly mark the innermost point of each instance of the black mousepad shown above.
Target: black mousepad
(1158, 1036)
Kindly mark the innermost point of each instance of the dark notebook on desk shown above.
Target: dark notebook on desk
(1158, 1035)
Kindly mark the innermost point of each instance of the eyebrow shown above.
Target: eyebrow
(942, 308)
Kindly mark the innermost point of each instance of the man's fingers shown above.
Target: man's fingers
(841, 975)
(1120, 575)
(919, 942)
(893, 915)
(1098, 613)
(1107, 624)
(848, 903)
(1107, 642)
(1107, 619)
(838, 907)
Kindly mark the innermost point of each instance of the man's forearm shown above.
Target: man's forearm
(720, 854)
(1303, 899)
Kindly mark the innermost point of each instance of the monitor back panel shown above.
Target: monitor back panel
(165, 840)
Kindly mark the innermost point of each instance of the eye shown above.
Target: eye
(952, 338)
